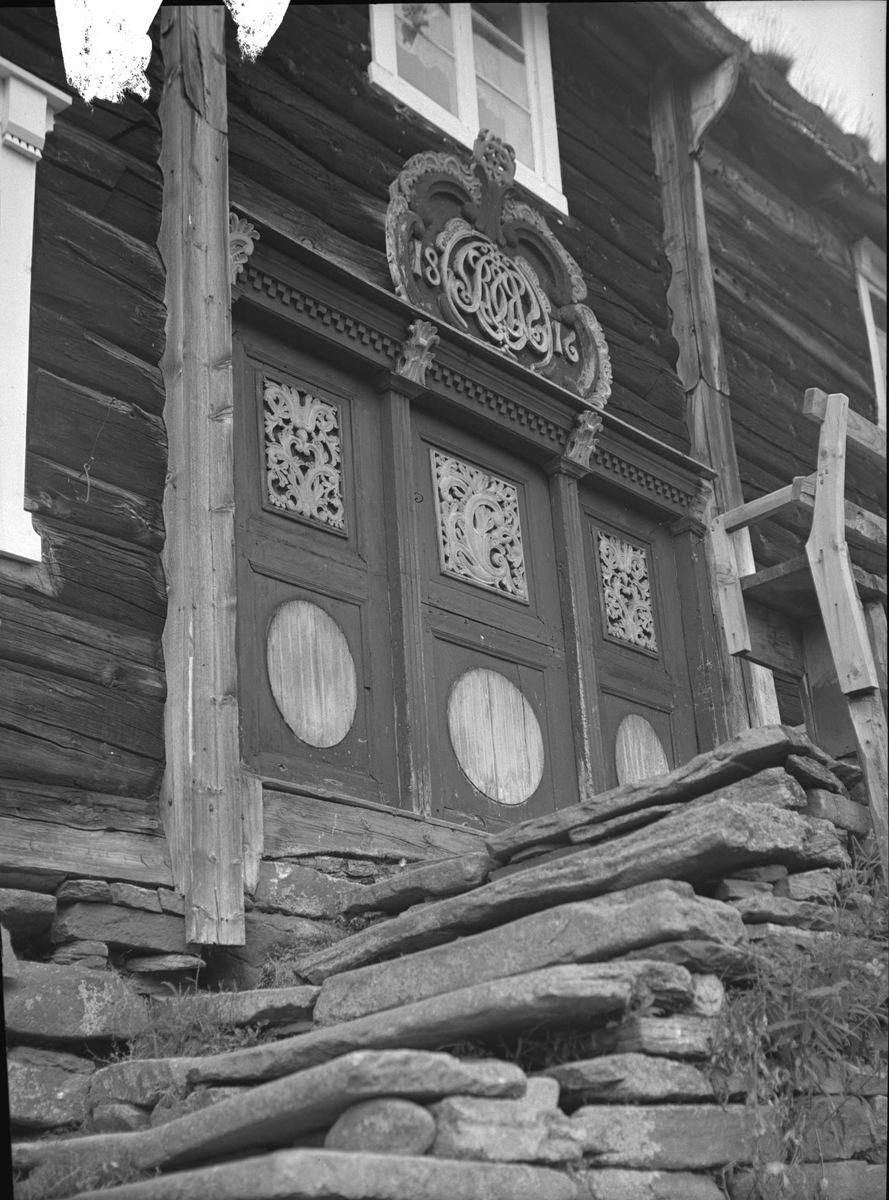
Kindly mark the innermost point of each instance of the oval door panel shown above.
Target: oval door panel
(638, 752)
(312, 673)
(495, 736)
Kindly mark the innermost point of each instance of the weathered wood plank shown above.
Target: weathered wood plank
(774, 640)
(46, 753)
(864, 436)
(43, 848)
(202, 785)
(42, 637)
(79, 808)
(301, 825)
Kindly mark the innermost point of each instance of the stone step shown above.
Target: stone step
(333, 1175)
(274, 1114)
(622, 1184)
(688, 845)
(676, 1036)
(749, 752)
(445, 877)
(668, 1137)
(264, 1006)
(587, 931)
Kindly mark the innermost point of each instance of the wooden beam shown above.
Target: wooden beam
(863, 435)
(201, 795)
(749, 690)
(45, 848)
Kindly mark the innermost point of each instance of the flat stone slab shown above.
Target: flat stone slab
(818, 886)
(691, 845)
(119, 926)
(778, 910)
(629, 1079)
(28, 913)
(300, 891)
(332, 1175)
(47, 1003)
(445, 877)
(677, 1036)
(141, 1081)
(47, 1089)
(522, 1002)
(752, 751)
(91, 891)
(385, 1126)
(617, 1184)
(266, 1006)
(164, 964)
(587, 931)
(274, 1114)
(845, 1181)
(131, 896)
(845, 814)
(667, 1137)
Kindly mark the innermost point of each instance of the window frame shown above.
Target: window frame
(870, 276)
(545, 181)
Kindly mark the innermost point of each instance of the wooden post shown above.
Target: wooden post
(680, 116)
(202, 786)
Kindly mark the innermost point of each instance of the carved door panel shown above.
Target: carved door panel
(645, 694)
(500, 724)
(315, 674)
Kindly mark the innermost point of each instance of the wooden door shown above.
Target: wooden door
(314, 655)
(646, 710)
(500, 723)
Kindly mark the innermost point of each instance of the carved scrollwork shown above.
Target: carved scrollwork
(303, 455)
(626, 588)
(242, 239)
(583, 437)
(479, 531)
(462, 248)
(416, 355)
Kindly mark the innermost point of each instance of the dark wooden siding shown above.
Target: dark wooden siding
(81, 672)
(310, 140)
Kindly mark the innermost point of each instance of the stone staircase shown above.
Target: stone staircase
(590, 946)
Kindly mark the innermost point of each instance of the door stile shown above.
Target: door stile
(583, 688)
(412, 682)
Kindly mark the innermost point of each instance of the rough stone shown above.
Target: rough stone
(47, 1089)
(813, 774)
(843, 813)
(299, 891)
(89, 891)
(119, 926)
(171, 902)
(265, 1006)
(629, 1079)
(444, 877)
(666, 1137)
(739, 889)
(677, 1036)
(617, 1184)
(731, 962)
(845, 1181)
(357, 869)
(241, 966)
(131, 896)
(531, 1129)
(708, 996)
(776, 910)
(83, 953)
(140, 1081)
(588, 931)
(26, 913)
(118, 1118)
(819, 886)
(522, 1002)
(384, 1126)
(276, 1113)
(10, 962)
(325, 1174)
(691, 845)
(49, 1003)
(165, 964)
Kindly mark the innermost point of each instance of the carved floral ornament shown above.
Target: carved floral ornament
(465, 250)
(626, 587)
(303, 457)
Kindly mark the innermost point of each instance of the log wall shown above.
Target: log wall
(81, 672)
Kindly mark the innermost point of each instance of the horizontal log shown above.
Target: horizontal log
(862, 437)
(592, 206)
(39, 636)
(86, 430)
(74, 353)
(641, 200)
(55, 491)
(79, 808)
(39, 847)
(300, 825)
(43, 753)
(105, 577)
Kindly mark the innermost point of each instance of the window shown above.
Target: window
(467, 67)
(870, 266)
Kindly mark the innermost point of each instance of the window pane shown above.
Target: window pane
(424, 42)
(502, 75)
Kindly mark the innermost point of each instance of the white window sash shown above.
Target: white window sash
(870, 271)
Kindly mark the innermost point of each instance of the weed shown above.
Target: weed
(178, 1027)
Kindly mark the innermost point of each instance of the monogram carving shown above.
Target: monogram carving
(302, 455)
(465, 250)
(479, 532)
(626, 586)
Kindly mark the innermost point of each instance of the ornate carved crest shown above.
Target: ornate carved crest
(302, 455)
(627, 592)
(242, 239)
(416, 354)
(464, 249)
(479, 534)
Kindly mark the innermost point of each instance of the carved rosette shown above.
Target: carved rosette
(302, 455)
(479, 531)
(242, 239)
(626, 588)
(464, 249)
